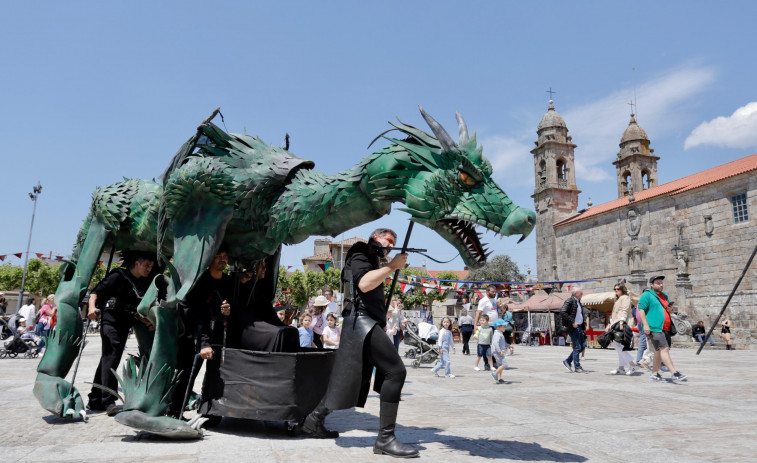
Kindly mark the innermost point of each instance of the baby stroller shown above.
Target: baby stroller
(18, 345)
(5, 330)
(420, 350)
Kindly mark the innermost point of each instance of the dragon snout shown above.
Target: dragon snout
(520, 221)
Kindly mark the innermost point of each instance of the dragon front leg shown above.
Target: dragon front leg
(148, 386)
(51, 389)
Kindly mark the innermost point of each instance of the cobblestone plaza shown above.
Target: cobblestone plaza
(544, 414)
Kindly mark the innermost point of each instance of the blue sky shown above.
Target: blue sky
(95, 91)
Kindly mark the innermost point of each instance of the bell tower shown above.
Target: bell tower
(555, 192)
(636, 163)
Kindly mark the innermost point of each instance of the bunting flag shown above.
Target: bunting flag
(568, 287)
(18, 254)
(327, 265)
(100, 263)
(2, 258)
(478, 293)
(289, 266)
(407, 288)
(402, 287)
(39, 255)
(58, 257)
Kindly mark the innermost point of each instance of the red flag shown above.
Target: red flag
(402, 287)
(323, 267)
(58, 257)
(39, 255)
(568, 287)
(18, 254)
(478, 293)
(2, 258)
(99, 263)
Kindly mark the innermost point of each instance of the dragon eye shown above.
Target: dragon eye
(467, 179)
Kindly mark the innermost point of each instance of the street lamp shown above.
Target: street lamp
(36, 191)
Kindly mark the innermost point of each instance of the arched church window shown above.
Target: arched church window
(626, 182)
(561, 170)
(646, 182)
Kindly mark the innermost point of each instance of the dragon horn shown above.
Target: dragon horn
(462, 128)
(444, 139)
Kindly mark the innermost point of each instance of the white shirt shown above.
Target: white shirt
(488, 307)
(28, 311)
(331, 308)
(579, 313)
(332, 334)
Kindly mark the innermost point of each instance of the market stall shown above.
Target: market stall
(534, 319)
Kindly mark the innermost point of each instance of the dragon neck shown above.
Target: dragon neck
(317, 204)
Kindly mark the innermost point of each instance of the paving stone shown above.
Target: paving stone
(545, 414)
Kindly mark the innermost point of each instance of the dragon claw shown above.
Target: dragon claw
(197, 422)
(161, 425)
(58, 396)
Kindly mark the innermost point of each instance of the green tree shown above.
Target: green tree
(415, 297)
(10, 277)
(448, 276)
(41, 277)
(306, 285)
(498, 268)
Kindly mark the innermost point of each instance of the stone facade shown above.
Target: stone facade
(687, 234)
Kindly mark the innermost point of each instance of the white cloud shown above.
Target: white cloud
(739, 130)
(507, 155)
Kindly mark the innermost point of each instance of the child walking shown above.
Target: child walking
(444, 343)
(499, 345)
(484, 338)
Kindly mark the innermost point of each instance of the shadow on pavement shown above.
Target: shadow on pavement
(486, 448)
(417, 436)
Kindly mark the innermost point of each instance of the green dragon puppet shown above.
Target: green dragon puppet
(236, 189)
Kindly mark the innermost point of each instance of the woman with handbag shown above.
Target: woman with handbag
(620, 314)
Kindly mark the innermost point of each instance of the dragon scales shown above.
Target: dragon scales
(253, 197)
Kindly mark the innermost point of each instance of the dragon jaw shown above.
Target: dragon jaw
(465, 237)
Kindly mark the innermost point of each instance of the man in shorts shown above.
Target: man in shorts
(652, 306)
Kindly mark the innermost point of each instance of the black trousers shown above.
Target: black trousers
(114, 334)
(380, 352)
(185, 358)
(466, 340)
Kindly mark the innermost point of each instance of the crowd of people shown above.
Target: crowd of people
(256, 325)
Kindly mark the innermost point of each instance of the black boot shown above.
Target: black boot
(386, 443)
(314, 425)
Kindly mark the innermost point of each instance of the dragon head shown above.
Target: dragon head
(446, 186)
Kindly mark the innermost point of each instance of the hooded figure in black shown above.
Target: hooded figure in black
(364, 346)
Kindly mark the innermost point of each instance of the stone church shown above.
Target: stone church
(698, 231)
